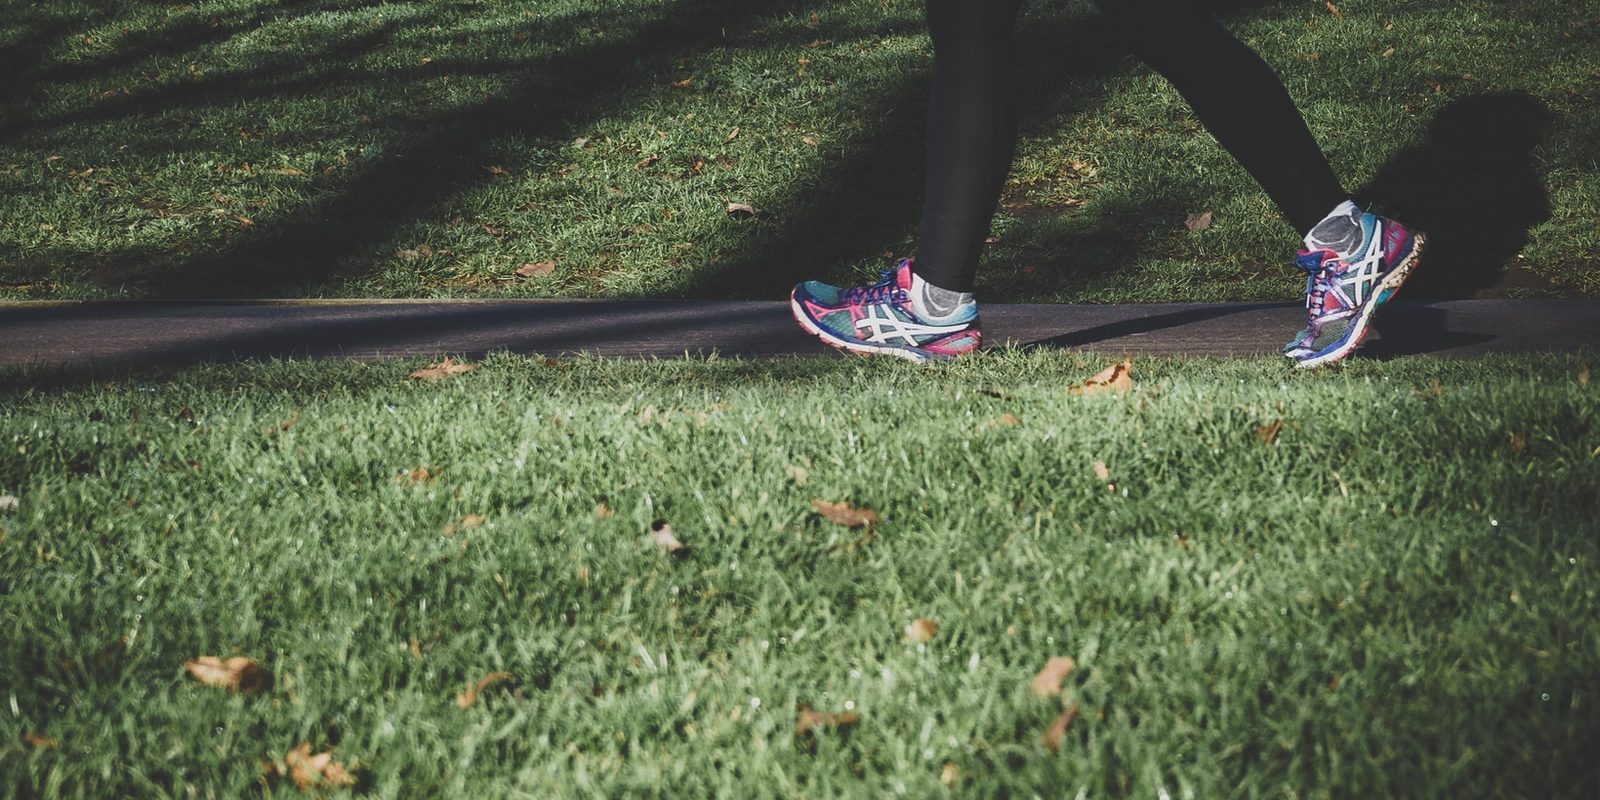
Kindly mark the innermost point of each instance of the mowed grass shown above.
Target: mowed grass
(430, 148)
(1392, 593)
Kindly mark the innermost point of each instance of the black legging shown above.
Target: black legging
(972, 118)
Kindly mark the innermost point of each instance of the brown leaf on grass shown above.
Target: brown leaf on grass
(294, 417)
(601, 510)
(733, 134)
(1583, 377)
(1518, 442)
(307, 771)
(1334, 10)
(661, 534)
(816, 43)
(237, 674)
(743, 211)
(467, 523)
(444, 369)
(290, 171)
(921, 631)
(39, 741)
(1048, 682)
(536, 269)
(1115, 378)
(1198, 222)
(1100, 470)
(684, 83)
(1003, 421)
(468, 697)
(646, 161)
(950, 775)
(1269, 433)
(495, 170)
(1432, 390)
(842, 513)
(418, 475)
(1058, 729)
(811, 719)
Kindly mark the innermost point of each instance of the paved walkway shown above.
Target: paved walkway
(173, 332)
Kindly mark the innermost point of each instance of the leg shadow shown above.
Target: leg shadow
(1474, 187)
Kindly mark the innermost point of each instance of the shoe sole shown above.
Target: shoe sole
(858, 348)
(1386, 288)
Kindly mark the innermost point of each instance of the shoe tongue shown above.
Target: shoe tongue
(902, 275)
(1311, 260)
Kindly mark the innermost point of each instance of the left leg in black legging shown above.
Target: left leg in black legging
(972, 135)
(1237, 97)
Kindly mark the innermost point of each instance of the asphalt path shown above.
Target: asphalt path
(143, 333)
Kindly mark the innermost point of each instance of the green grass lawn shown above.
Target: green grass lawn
(431, 148)
(1373, 581)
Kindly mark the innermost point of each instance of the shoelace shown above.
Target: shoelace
(884, 291)
(1319, 279)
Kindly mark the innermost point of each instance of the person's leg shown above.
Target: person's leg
(1355, 261)
(1237, 97)
(923, 309)
(972, 135)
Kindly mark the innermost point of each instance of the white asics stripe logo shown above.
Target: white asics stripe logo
(885, 325)
(1363, 272)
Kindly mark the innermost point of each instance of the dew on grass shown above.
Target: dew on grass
(783, 640)
(1494, 523)
(849, 705)
(755, 702)
(1545, 696)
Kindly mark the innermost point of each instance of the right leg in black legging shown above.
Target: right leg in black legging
(1237, 97)
(972, 135)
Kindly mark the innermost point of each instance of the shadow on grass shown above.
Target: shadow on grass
(1474, 186)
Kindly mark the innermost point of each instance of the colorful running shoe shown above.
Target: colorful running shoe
(1342, 296)
(880, 319)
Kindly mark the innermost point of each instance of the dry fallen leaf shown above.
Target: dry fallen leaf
(536, 269)
(1052, 737)
(1334, 10)
(921, 631)
(39, 740)
(733, 134)
(811, 720)
(237, 674)
(467, 697)
(842, 513)
(646, 161)
(661, 534)
(950, 775)
(1115, 378)
(683, 84)
(1048, 682)
(1269, 433)
(1518, 443)
(1100, 470)
(307, 771)
(442, 370)
(743, 211)
(1583, 377)
(1198, 222)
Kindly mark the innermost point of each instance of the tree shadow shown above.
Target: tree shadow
(1474, 186)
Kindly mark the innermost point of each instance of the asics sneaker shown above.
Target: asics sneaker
(1341, 296)
(880, 318)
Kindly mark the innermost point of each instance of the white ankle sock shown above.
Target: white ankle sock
(1340, 231)
(935, 304)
